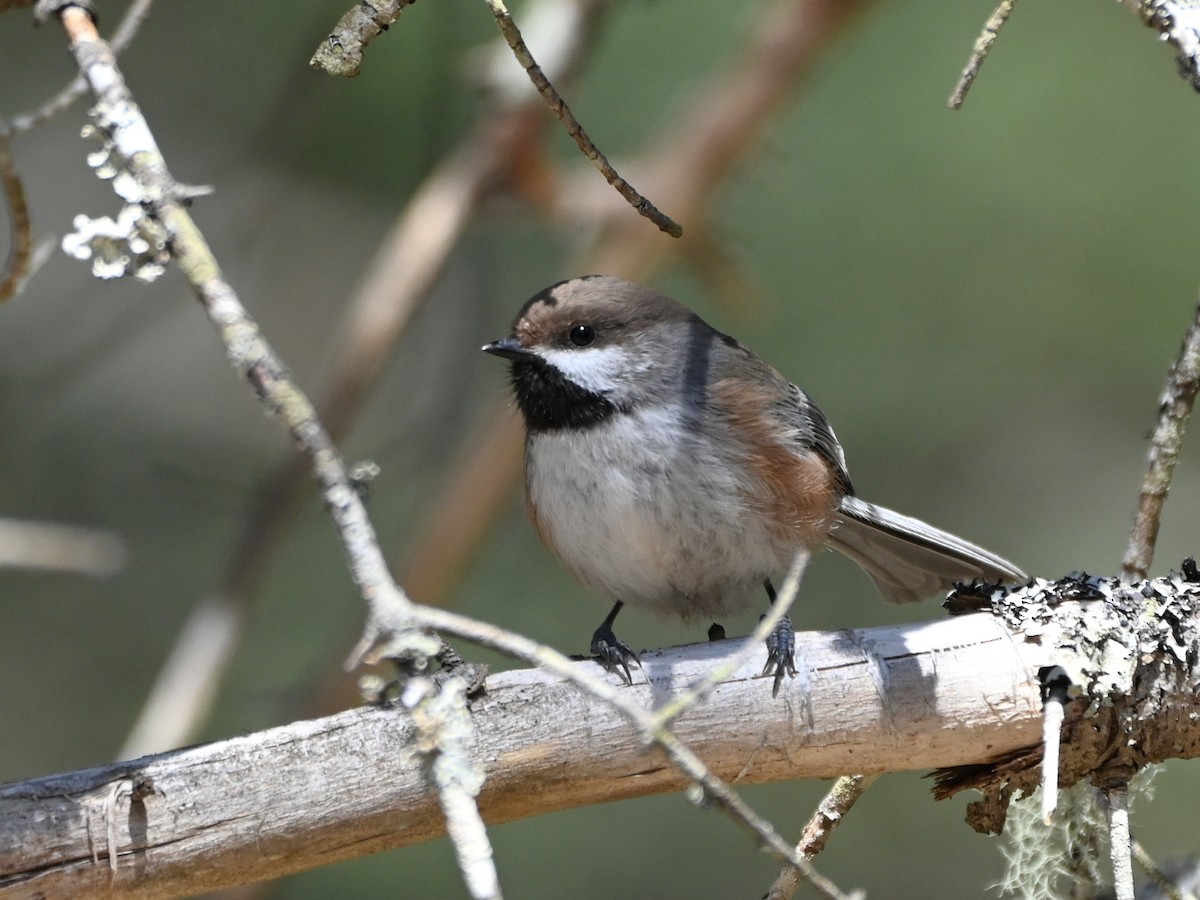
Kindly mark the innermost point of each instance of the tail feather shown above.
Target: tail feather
(907, 559)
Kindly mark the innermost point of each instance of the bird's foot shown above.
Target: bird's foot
(612, 653)
(781, 653)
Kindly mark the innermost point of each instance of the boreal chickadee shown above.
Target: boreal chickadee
(671, 468)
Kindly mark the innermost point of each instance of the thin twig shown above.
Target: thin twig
(124, 33)
(558, 106)
(1161, 879)
(827, 817)
(1175, 407)
(983, 46)
(16, 267)
(1056, 692)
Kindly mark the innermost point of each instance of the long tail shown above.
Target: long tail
(909, 560)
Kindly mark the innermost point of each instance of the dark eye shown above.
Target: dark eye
(581, 335)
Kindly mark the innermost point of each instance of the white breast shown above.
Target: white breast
(645, 511)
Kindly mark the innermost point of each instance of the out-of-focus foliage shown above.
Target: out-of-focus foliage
(983, 302)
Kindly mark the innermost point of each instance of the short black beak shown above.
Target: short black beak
(509, 348)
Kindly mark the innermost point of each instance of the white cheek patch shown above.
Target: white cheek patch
(596, 369)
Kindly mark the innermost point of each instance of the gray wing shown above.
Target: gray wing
(909, 559)
(815, 433)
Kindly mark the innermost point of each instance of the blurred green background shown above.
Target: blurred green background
(985, 304)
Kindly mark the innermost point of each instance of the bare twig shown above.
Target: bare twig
(1052, 720)
(341, 52)
(1174, 409)
(16, 268)
(558, 106)
(1161, 879)
(983, 46)
(723, 123)
(827, 817)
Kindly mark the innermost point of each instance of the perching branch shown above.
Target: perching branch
(882, 699)
(242, 810)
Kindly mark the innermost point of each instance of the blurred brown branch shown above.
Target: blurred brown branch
(16, 267)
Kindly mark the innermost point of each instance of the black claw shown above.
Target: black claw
(716, 632)
(781, 653)
(613, 653)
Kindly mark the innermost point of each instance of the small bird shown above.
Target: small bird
(670, 468)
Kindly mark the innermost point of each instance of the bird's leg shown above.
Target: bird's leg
(781, 646)
(612, 653)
